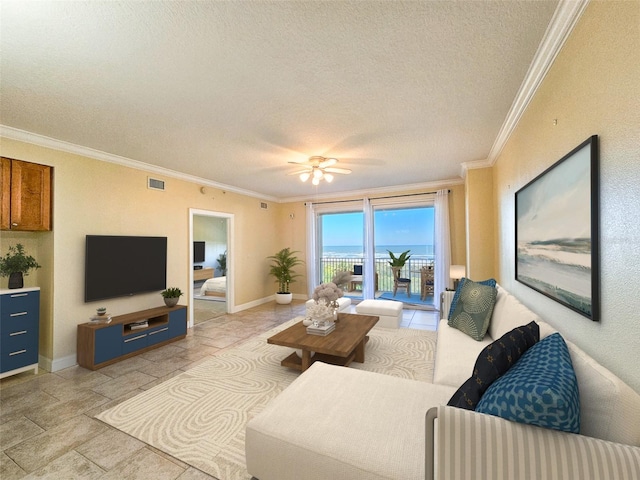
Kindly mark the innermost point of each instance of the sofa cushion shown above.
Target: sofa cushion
(493, 362)
(455, 355)
(490, 282)
(540, 389)
(473, 309)
(509, 313)
(336, 422)
(608, 406)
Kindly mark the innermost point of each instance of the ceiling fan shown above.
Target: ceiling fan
(318, 168)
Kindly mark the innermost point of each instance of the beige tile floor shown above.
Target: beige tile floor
(47, 429)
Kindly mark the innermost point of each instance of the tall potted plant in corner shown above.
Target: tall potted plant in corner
(282, 264)
(15, 264)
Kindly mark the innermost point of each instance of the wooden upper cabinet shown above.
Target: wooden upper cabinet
(26, 196)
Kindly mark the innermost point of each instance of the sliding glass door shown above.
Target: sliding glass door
(341, 245)
(408, 230)
(341, 248)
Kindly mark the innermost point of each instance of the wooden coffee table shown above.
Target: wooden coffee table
(341, 347)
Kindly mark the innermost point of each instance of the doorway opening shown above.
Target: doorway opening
(210, 286)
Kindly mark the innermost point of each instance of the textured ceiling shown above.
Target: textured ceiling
(401, 93)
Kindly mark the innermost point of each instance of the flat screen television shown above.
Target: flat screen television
(198, 252)
(119, 266)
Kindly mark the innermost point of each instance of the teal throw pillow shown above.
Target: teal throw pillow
(490, 282)
(473, 310)
(540, 389)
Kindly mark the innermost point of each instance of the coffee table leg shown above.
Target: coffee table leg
(359, 357)
(306, 359)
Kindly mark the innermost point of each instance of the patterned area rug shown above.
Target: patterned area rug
(199, 416)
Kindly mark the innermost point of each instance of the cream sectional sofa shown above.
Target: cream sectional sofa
(339, 423)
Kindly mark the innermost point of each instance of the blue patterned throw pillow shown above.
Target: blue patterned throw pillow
(456, 296)
(540, 389)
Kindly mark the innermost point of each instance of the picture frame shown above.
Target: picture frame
(558, 229)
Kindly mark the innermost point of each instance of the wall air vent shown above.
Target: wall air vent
(155, 184)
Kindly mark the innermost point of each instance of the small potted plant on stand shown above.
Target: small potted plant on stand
(15, 264)
(282, 269)
(397, 264)
(171, 296)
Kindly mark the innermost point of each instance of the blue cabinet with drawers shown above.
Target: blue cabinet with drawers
(102, 344)
(19, 330)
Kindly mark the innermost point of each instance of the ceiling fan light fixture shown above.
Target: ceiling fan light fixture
(318, 168)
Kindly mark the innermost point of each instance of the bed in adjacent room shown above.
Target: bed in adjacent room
(214, 287)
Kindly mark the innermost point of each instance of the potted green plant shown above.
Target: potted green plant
(171, 296)
(222, 263)
(397, 263)
(15, 264)
(282, 264)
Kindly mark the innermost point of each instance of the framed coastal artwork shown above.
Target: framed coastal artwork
(557, 231)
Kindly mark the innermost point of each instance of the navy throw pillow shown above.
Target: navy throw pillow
(493, 362)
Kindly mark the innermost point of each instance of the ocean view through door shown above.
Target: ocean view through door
(399, 229)
(341, 243)
(341, 246)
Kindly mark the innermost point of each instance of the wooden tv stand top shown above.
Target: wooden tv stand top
(133, 317)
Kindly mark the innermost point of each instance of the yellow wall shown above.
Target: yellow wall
(592, 88)
(480, 224)
(94, 197)
(100, 198)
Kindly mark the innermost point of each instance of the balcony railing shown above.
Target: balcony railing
(329, 266)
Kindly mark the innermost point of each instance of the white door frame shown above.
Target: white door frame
(230, 263)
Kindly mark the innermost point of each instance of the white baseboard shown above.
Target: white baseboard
(262, 301)
(255, 303)
(58, 363)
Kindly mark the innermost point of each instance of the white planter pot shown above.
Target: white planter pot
(284, 298)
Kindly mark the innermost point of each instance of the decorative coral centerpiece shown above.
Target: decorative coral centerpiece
(327, 293)
(326, 302)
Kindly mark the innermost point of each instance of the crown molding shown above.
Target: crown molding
(52, 143)
(562, 23)
(370, 192)
(465, 166)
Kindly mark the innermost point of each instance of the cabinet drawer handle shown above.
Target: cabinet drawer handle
(17, 353)
(19, 295)
(14, 224)
(135, 338)
(158, 331)
(17, 333)
(19, 314)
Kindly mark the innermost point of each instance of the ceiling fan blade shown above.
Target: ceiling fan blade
(344, 171)
(298, 172)
(327, 163)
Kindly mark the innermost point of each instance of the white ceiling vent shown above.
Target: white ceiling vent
(155, 184)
